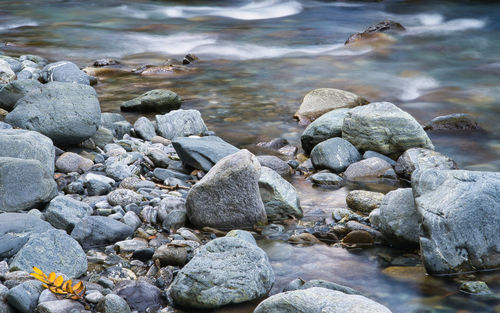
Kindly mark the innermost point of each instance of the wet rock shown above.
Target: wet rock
(25, 144)
(105, 62)
(316, 299)
(372, 154)
(157, 100)
(328, 125)
(369, 169)
(24, 297)
(180, 123)
(334, 154)
(140, 295)
(24, 184)
(144, 128)
(367, 34)
(457, 121)
(202, 153)
(278, 165)
(60, 306)
(364, 201)
(71, 162)
(320, 101)
(96, 231)
(64, 212)
(475, 288)
(326, 179)
(64, 71)
(419, 158)
(228, 195)
(12, 92)
(6, 73)
(112, 303)
(189, 58)
(384, 128)
(459, 212)
(304, 238)
(224, 271)
(66, 113)
(298, 284)
(358, 238)
(52, 251)
(279, 196)
(123, 197)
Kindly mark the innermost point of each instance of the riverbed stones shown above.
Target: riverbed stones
(203, 152)
(144, 128)
(60, 306)
(334, 154)
(364, 201)
(384, 128)
(279, 196)
(123, 197)
(419, 158)
(96, 231)
(64, 71)
(327, 179)
(456, 121)
(12, 92)
(322, 100)
(139, 294)
(25, 144)
(316, 300)
(65, 212)
(112, 303)
(328, 125)
(369, 169)
(52, 251)
(298, 283)
(228, 196)
(24, 297)
(6, 73)
(224, 271)
(459, 212)
(386, 26)
(180, 123)
(71, 162)
(273, 162)
(24, 184)
(66, 113)
(157, 100)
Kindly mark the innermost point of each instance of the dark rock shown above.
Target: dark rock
(180, 123)
(457, 121)
(163, 174)
(278, 165)
(144, 254)
(139, 294)
(189, 58)
(384, 26)
(359, 238)
(419, 158)
(334, 154)
(64, 212)
(12, 92)
(96, 231)
(64, 71)
(328, 125)
(105, 62)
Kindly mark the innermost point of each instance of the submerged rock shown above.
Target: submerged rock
(419, 158)
(328, 125)
(372, 31)
(180, 123)
(457, 121)
(157, 100)
(334, 154)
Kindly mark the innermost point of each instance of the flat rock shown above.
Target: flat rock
(383, 127)
(157, 100)
(368, 169)
(420, 158)
(334, 154)
(97, 231)
(228, 196)
(460, 220)
(328, 125)
(364, 201)
(327, 179)
(279, 196)
(224, 271)
(64, 212)
(180, 123)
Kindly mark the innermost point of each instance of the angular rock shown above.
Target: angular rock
(384, 128)
(328, 125)
(459, 212)
(112, 303)
(334, 154)
(180, 123)
(322, 100)
(300, 284)
(52, 251)
(12, 92)
(118, 171)
(457, 121)
(224, 271)
(368, 169)
(157, 100)
(64, 71)
(66, 113)
(71, 162)
(123, 197)
(6, 73)
(65, 212)
(204, 152)
(97, 231)
(144, 128)
(279, 196)
(316, 300)
(364, 201)
(24, 296)
(24, 184)
(419, 158)
(228, 197)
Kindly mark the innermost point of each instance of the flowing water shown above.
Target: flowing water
(259, 58)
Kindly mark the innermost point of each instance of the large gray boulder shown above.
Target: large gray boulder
(65, 71)
(24, 184)
(12, 92)
(279, 196)
(180, 123)
(460, 219)
(52, 251)
(65, 212)
(25, 144)
(97, 231)
(384, 128)
(420, 158)
(66, 113)
(157, 100)
(319, 300)
(16, 229)
(334, 154)
(322, 100)
(228, 197)
(204, 152)
(224, 271)
(328, 125)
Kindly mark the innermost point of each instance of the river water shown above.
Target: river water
(257, 61)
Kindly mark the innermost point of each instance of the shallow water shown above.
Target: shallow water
(259, 58)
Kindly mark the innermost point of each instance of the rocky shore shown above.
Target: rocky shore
(163, 215)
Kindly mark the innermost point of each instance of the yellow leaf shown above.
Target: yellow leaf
(78, 287)
(58, 281)
(39, 271)
(52, 277)
(40, 278)
(45, 286)
(66, 285)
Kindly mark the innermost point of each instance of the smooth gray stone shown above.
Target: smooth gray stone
(456, 121)
(24, 297)
(4, 125)
(7, 75)
(372, 154)
(64, 71)
(369, 169)
(460, 220)
(60, 306)
(228, 196)
(25, 144)
(52, 251)
(202, 153)
(163, 174)
(40, 61)
(334, 154)
(174, 219)
(144, 128)
(97, 231)
(328, 125)
(14, 64)
(298, 284)
(419, 158)
(108, 118)
(112, 303)
(242, 234)
(279, 196)
(118, 170)
(66, 113)
(13, 91)
(16, 229)
(278, 165)
(316, 300)
(224, 271)
(97, 188)
(65, 212)
(327, 179)
(180, 123)
(157, 100)
(24, 184)
(384, 128)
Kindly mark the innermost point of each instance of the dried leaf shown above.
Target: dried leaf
(57, 285)
(58, 281)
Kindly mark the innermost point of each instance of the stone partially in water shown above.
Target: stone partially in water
(279, 196)
(457, 121)
(370, 32)
(364, 201)
(334, 154)
(180, 123)
(369, 169)
(157, 100)
(419, 158)
(327, 179)
(328, 125)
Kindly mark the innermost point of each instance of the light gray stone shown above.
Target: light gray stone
(71, 162)
(180, 123)
(144, 128)
(131, 219)
(64, 71)
(334, 154)
(279, 196)
(419, 158)
(97, 231)
(298, 283)
(122, 197)
(24, 297)
(157, 100)
(369, 169)
(278, 165)
(59, 306)
(118, 170)
(328, 125)
(242, 234)
(327, 179)
(65, 212)
(6, 73)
